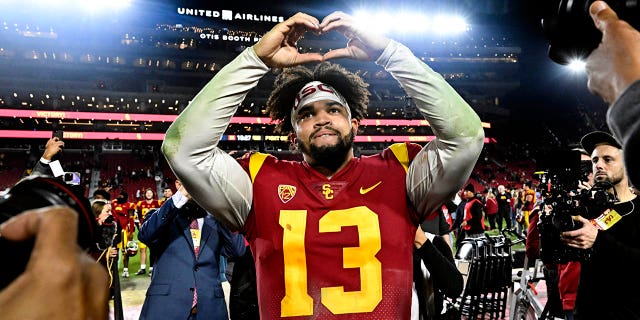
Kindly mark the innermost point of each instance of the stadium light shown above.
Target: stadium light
(410, 23)
(101, 5)
(577, 65)
(87, 5)
(450, 24)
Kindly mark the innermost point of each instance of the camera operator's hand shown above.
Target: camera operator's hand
(615, 64)
(582, 238)
(584, 185)
(60, 281)
(53, 147)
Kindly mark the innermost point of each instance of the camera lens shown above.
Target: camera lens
(569, 28)
(32, 193)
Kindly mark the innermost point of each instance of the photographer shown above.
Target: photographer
(614, 70)
(613, 237)
(60, 281)
(106, 253)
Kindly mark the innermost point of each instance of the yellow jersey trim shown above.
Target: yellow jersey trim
(255, 163)
(402, 154)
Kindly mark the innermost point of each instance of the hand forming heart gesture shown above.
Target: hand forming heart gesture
(278, 47)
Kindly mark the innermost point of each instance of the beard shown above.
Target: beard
(614, 179)
(332, 156)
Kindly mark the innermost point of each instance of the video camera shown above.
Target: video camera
(34, 192)
(559, 176)
(570, 30)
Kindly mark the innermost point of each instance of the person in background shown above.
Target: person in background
(529, 203)
(186, 283)
(554, 306)
(613, 237)
(101, 194)
(351, 218)
(106, 253)
(469, 216)
(435, 274)
(167, 192)
(504, 207)
(103, 211)
(124, 212)
(491, 209)
(142, 207)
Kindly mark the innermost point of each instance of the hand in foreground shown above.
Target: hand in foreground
(60, 281)
(615, 64)
(582, 238)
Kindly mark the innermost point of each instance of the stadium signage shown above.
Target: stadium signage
(229, 15)
(50, 114)
(225, 37)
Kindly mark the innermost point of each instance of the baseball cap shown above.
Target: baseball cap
(591, 140)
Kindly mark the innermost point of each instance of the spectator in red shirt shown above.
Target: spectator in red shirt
(491, 209)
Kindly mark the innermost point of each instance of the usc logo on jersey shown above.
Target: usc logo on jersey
(327, 191)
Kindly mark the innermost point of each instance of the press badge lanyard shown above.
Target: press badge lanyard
(610, 217)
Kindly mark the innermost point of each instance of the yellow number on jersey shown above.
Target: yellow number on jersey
(297, 301)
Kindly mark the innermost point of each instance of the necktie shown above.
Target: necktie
(195, 234)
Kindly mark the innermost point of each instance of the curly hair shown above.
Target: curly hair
(291, 80)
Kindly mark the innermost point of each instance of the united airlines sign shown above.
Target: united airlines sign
(229, 15)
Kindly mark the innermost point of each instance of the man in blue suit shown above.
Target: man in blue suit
(185, 282)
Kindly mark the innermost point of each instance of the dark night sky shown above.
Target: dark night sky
(547, 90)
(549, 93)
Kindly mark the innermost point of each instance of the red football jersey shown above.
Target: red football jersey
(143, 206)
(121, 212)
(333, 248)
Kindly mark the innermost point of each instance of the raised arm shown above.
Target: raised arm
(215, 180)
(444, 164)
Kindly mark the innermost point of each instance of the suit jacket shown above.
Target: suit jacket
(42, 169)
(177, 270)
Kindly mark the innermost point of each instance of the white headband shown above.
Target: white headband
(316, 91)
